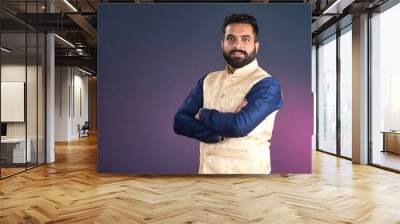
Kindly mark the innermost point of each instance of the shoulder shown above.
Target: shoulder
(209, 77)
(212, 79)
(268, 86)
(265, 78)
(257, 76)
(213, 75)
(261, 73)
(267, 82)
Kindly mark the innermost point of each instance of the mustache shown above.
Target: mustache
(239, 51)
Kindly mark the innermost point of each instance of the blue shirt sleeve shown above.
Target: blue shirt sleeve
(186, 124)
(263, 98)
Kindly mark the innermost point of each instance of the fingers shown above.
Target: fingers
(242, 104)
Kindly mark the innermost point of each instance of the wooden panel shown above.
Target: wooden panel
(392, 142)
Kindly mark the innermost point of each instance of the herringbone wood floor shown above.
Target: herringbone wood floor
(71, 191)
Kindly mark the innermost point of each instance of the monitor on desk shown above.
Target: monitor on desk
(3, 130)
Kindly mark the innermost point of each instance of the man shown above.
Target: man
(232, 112)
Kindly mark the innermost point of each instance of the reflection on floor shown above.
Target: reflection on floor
(386, 159)
(10, 169)
(346, 152)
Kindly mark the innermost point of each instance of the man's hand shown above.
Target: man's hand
(242, 104)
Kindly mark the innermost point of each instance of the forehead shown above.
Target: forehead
(239, 29)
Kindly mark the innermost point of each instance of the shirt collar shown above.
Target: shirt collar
(245, 69)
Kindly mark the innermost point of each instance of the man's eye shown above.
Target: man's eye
(229, 38)
(246, 39)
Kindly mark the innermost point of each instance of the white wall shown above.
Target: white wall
(61, 103)
(80, 110)
(71, 93)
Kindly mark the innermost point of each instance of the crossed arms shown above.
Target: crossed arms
(263, 98)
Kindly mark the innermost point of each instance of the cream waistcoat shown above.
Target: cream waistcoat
(246, 155)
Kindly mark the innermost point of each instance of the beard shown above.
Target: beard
(237, 62)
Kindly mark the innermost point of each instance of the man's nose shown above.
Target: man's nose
(238, 45)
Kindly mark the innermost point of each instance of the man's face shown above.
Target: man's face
(239, 45)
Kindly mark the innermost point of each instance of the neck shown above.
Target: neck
(231, 69)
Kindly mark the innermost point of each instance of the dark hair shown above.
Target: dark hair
(241, 18)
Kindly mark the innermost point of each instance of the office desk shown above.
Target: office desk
(391, 141)
(13, 150)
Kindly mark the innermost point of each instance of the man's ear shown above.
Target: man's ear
(222, 44)
(257, 46)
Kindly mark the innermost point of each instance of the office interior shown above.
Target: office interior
(46, 81)
(49, 76)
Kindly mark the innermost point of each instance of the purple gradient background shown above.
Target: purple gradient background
(151, 55)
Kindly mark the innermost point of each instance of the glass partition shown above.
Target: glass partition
(22, 77)
(385, 88)
(327, 95)
(13, 109)
(346, 92)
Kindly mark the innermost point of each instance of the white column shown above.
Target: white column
(50, 92)
(314, 92)
(50, 100)
(360, 90)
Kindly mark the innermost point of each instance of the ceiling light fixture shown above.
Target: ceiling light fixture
(329, 9)
(337, 7)
(79, 51)
(70, 5)
(5, 50)
(65, 41)
(86, 72)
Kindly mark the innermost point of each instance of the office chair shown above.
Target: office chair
(84, 130)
